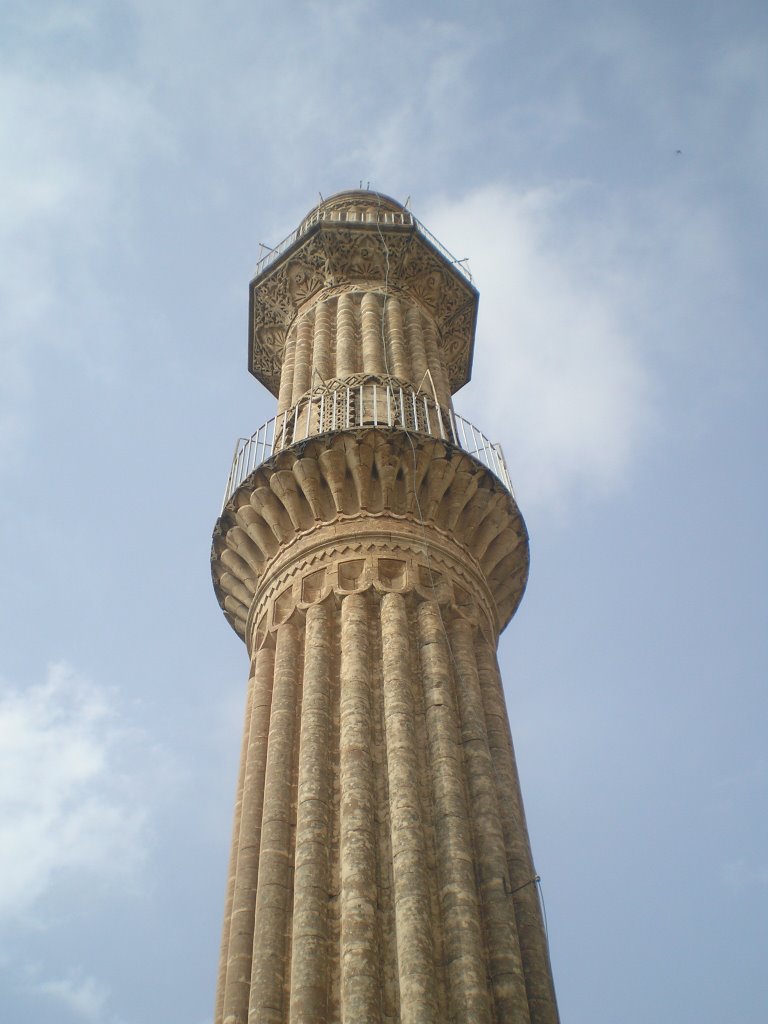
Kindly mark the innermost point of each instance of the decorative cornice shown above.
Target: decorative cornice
(332, 257)
(379, 481)
(363, 552)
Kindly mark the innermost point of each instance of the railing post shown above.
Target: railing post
(229, 489)
(439, 414)
(284, 431)
(452, 424)
(463, 422)
(238, 462)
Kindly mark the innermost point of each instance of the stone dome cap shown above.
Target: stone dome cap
(361, 204)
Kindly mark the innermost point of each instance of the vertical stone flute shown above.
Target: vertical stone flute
(369, 553)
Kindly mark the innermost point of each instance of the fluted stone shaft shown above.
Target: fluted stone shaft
(400, 364)
(381, 871)
(455, 861)
(359, 957)
(302, 370)
(322, 361)
(233, 858)
(415, 693)
(273, 895)
(412, 911)
(240, 944)
(363, 332)
(490, 854)
(414, 333)
(285, 399)
(309, 957)
(435, 363)
(373, 357)
(346, 352)
(530, 930)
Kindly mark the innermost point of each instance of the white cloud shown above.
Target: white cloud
(558, 376)
(65, 802)
(84, 996)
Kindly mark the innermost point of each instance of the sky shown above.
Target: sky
(604, 168)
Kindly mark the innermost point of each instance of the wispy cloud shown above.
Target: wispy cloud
(84, 996)
(558, 374)
(66, 803)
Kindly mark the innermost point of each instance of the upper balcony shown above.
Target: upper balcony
(374, 402)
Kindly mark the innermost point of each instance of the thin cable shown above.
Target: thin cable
(531, 881)
(548, 948)
(543, 908)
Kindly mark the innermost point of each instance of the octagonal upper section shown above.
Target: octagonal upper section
(357, 240)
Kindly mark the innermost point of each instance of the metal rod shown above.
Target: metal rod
(283, 432)
(439, 414)
(452, 423)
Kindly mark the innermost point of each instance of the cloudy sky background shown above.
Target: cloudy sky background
(604, 166)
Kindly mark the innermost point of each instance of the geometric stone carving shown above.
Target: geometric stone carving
(331, 255)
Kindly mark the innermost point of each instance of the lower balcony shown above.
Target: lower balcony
(374, 402)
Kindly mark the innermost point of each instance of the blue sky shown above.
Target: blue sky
(147, 150)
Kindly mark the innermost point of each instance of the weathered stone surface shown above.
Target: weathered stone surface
(381, 870)
(342, 255)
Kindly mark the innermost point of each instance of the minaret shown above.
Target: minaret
(369, 553)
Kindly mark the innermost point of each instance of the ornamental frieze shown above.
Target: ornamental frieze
(334, 256)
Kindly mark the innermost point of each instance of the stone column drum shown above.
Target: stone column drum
(369, 554)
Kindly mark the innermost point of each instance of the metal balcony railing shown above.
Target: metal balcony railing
(363, 215)
(370, 404)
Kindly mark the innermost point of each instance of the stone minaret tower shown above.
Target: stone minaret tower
(369, 553)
